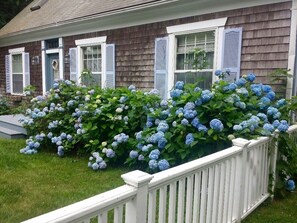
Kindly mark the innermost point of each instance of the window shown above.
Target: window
(17, 74)
(96, 58)
(175, 54)
(185, 47)
(17, 71)
(92, 61)
(183, 40)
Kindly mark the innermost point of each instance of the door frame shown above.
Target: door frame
(44, 53)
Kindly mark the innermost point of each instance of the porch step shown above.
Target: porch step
(10, 134)
(11, 128)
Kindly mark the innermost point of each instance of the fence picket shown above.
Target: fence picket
(162, 204)
(172, 203)
(181, 201)
(197, 196)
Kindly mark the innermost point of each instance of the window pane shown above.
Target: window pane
(17, 82)
(17, 66)
(186, 44)
(92, 58)
(204, 79)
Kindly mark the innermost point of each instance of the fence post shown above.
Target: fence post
(136, 210)
(274, 152)
(240, 176)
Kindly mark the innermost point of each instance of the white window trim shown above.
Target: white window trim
(96, 41)
(17, 51)
(215, 24)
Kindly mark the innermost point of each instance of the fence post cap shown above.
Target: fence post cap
(137, 178)
(240, 142)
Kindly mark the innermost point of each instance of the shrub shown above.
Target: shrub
(198, 122)
(136, 128)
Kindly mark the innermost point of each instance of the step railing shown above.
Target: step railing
(223, 187)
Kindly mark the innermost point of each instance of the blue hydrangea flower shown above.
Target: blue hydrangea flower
(270, 95)
(133, 154)
(154, 154)
(176, 93)
(232, 86)
(283, 126)
(110, 153)
(164, 103)
(202, 128)
(154, 138)
(243, 91)
(266, 88)
(264, 102)
(196, 89)
(276, 123)
(184, 122)
(163, 126)
(163, 164)
(218, 73)
(237, 128)
(189, 139)
(102, 165)
(206, 96)
(140, 157)
(138, 135)
(189, 114)
(240, 82)
(272, 111)
(262, 116)
(290, 185)
(268, 127)
(162, 143)
(189, 106)
(281, 103)
(198, 102)
(256, 89)
(216, 125)
(146, 148)
(240, 105)
(95, 166)
(251, 77)
(195, 122)
(153, 164)
(179, 85)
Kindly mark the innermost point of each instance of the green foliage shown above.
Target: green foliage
(4, 106)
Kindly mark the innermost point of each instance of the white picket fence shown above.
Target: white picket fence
(223, 187)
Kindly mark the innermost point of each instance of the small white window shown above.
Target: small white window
(17, 71)
(183, 40)
(91, 57)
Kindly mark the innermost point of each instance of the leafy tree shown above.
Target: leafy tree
(10, 8)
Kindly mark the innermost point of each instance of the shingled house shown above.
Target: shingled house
(147, 43)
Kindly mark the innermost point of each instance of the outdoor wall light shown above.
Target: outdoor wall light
(35, 60)
(67, 58)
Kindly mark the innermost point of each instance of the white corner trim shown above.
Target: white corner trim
(90, 41)
(17, 50)
(192, 27)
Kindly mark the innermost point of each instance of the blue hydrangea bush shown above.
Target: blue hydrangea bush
(76, 119)
(126, 126)
(197, 122)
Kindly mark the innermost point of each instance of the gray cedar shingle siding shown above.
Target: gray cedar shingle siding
(266, 31)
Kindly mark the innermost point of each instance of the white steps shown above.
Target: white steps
(11, 128)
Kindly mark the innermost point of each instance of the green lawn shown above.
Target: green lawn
(36, 184)
(277, 211)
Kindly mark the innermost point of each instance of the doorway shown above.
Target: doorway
(52, 70)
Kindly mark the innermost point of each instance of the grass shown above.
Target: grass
(277, 211)
(36, 184)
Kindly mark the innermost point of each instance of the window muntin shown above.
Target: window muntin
(185, 46)
(92, 61)
(17, 73)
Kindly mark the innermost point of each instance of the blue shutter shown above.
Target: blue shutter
(7, 73)
(232, 52)
(161, 66)
(73, 64)
(27, 69)
(110, 66)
